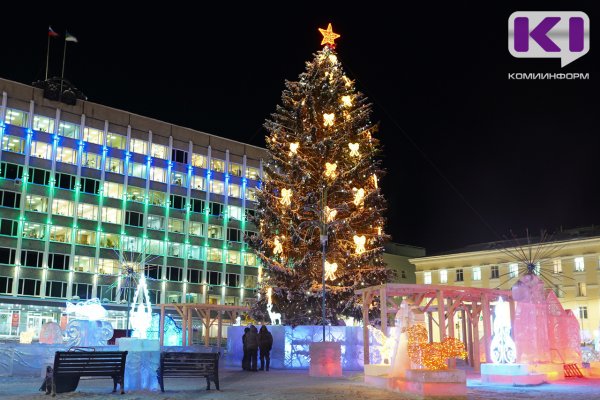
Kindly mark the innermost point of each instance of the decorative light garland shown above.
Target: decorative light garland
(432, 356)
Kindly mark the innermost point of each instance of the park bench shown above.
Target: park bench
(69, 366)
(189, 365)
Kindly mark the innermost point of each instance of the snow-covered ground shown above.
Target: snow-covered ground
(290, 385)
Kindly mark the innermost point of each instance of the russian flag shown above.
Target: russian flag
(51, 32)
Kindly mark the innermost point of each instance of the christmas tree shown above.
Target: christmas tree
(321, 191)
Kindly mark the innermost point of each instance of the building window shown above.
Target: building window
(250, 281)
(232, 280)
(174, 274)
(43, 124)
(513, 270)
(583, 314)
(58, 261)
(137, 170)
(476, 273)
(216, 208)
(34, 231)
(85, 238)
(174, 249)
(113, 190)
(251, 194)
(234, 235)
(198, 182)
(93, 135)
(138, 146)
(252, 173)
(250, 259)
(108, 266)
(234, 190)
(234, 212)
(56, 289)
(195, 252)
(111, 241)
(557, 266)
(158, 174)
(217, 165)
(215, 255)
(176, 225)
(36, 203)
(65, 181)
(156, 222)
(214, 278)
(154, 246)
(60, 234)
(134, 218)
(39, 176)
(66, 155)
(179, 156)
(427, 277)
(114, 165)
(579, 264)
(178, 178)
(6, 284)
(494, 272)
(16, 117)
(443, 276)
(91, 160)
(158, 198)
(68, 130)
(29, 287)
(31, 258)
(87, 211)
(235, 169)
(111, 215)
(159, 151)
(10, 199)
(153, 271)
(41, 150)
(11, 171)
(9, 227)
(233, 257)
(459, 275)
(198, 160)
(116, 141)
(7, 256)
(13, 144)
(403, 274)
(177, 202)
(215, 232)
(89, 185)
(217, 187)
(581, 289)
(194, 276)
(82, 290)
(83, 264)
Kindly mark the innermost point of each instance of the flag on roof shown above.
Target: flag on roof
(51, 32)
(70, 38)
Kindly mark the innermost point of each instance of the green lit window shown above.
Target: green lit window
(114, 165)
(234, 212)
(174, 249)
(250, 259)
(198, 160)
(214, 255)
(137, 170)
(36, 203)
(135, 194)
(215, 232)
(40, 150)
(11, 171)
(235, 169)
(252, 173)
(250, 281)
(158, 198)
(138, 146)
(83, 264)
(179, 156)
(60, 234)
(233, 257)
(195, 252)
(43, 124)
(9, 227)
(251, 194)
(235, 190)
(62, 207)
(10, 199)
(217, 165)
(108, 266)
(66, 155)
(155, 247)
(116, 141)
(198, 182)
(196, 228)
(156, 222)
(16, 117)
(160, 151)
(132, 243)
(93, 135)
(87, 211)
(91, 160)
(85, 237)
(13, 143)
(113, 190)
(175, 225)
(158, 174)
(111, 215)
(68, 129)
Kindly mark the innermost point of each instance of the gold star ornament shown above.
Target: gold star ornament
(328, 36)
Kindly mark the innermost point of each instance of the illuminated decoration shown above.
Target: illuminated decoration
(141, 310)
(273, 316)
(286, 197)
(330, 214)
(347, 81)
(379, 230)
(90, 310)
(330, 170)
(328, 36)
(359, 196)
(503, 349)
(432, 356)
(375, 181)
(260, 273)
(386, 344)
(328, 119)
(26, 337)
(354, 149)
(347, 101)
(278, 246)
(294, 148)
(333, 58)
(330, 269)
(359, 241)
(269, 294)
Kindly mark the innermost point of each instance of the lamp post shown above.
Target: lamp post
(324, 245)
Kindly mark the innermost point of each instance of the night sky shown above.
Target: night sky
(469, 154)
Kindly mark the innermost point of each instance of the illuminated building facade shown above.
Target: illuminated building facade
(81, 184)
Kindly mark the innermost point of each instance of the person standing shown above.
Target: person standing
(252, 346)
(246, 358)
(265, 344)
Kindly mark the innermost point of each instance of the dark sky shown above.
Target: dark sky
(470, 155)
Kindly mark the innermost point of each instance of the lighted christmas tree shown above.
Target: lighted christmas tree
(322, 182)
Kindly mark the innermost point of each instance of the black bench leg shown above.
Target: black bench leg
(217, 381)
(161, 383)
(122, 383)
(115, 380)
(207, 383)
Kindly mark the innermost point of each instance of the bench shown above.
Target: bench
(69, 366)
(188, 365)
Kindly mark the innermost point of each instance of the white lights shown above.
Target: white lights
(360, 241)
(502, 349)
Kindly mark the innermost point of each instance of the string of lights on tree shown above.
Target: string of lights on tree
(322, 173)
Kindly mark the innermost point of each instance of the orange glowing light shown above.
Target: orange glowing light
(328, 35)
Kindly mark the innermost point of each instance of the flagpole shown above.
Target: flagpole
(47, 57)
(62, 74)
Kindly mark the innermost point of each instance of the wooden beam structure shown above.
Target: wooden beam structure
(208, 314)
(469, 302)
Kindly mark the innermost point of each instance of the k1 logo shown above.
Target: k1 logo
(549, 34)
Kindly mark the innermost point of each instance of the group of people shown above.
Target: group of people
(253, 340)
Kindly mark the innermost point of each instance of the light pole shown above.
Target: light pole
(324, 245)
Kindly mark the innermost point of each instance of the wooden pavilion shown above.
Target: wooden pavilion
(440, 303)
(209, 315)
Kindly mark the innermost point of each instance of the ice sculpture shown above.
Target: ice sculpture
(141, 310)
(51, 333)
(563, 332)
(400, 361)
(531, 320)
(502, 349)
(88, 329)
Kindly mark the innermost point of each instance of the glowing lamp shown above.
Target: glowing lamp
(294, 148)
(286, 197)
(359, 196)
(277, 246)
(353, 149)
(330, 269)
(330, 170)
(359, 241)
(328, 119)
